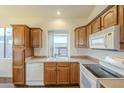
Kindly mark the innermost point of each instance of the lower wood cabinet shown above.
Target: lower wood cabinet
(50, 75)
(61, 73)
(18, 75)
(74, 73)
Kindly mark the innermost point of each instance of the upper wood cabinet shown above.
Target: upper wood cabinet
(18, 35)
(76, 38)
(88, 33)
(96, 25)
(36, 37)
(80, 37)
(121, 23)
(109, 18)
(21, 35)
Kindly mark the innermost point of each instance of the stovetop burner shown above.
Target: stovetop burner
(101, 72)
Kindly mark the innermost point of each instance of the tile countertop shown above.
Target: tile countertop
(80, 59)
(112, 83)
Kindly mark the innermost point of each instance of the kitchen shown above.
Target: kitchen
(92, 54)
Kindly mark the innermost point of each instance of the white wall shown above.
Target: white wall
(5, 67)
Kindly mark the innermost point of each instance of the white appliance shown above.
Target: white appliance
(106, 39)
(91, 73)
(35, 74)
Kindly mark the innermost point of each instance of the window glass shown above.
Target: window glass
(1, 42)
(8, 42)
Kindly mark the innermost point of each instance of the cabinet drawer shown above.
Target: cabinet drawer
(50, 64)
(62, 64)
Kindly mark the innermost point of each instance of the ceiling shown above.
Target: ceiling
(71, 11)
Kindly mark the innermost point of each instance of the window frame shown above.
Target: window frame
(4, 38)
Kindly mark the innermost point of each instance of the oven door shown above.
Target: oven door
(87, 80)
(98, 42)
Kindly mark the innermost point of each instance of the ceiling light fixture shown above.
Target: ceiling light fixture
(58, 13)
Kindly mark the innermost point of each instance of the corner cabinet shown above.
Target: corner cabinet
(80, 37)
(36, 37)
(61, 73)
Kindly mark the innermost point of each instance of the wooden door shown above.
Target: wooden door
(96, 25)
(36, 36)
(27, 37)
(76, 38)
(74, 73)
(109, 18)
(18, 35)
(18, 56)
(82, 37)
(63, 73)
(88, 34)
(121, 23)
(50, 74)
(18, 75)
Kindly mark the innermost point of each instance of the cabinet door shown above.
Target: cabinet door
(27, 37)
(88, 34)
(109, 18)
(96, 25)
(121, 23)
(36, 35)
(76, 38)
(18, 75)
(50, 77)
(18, 35)
(18, 56)
(63, 75)
(82, 36)
(74, 73)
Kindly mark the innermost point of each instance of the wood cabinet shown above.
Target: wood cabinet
(74, 73)
(121, 23)
(18, 75)
(80, 37)
(21, 49)
(109, 18)
(76, 38)
(88, 33)
(36, 37)
(18, 56)
(61, 73)
(96, 25)
(18, 35)
(50, 74)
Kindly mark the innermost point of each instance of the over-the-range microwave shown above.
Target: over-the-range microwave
(108, 38)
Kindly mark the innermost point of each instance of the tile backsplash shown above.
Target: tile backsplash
(100, 54)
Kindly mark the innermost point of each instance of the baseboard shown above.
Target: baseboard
(5, 80)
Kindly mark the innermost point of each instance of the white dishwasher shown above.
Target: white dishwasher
(35, 74)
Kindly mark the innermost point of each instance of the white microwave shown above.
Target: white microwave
(108, 38)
